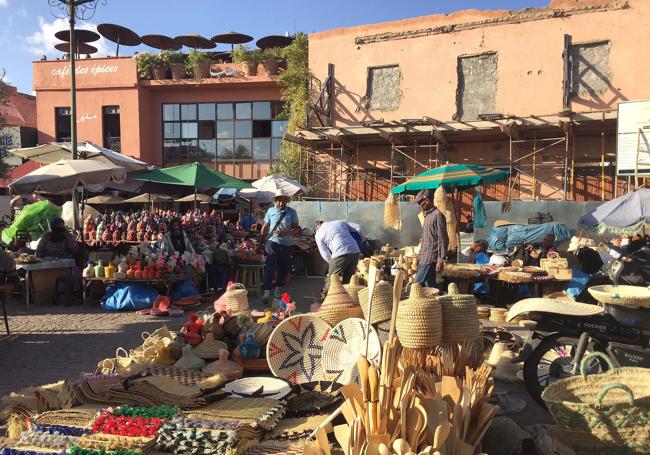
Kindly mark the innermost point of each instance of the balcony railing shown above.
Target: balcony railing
(113, 143)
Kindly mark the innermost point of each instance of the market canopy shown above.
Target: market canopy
(64, 175)
(55, 151)
(195, 175)
(105, 200)
(623, 212)
(265, 188)
(200, 197)
(147, 198)
(452, 176)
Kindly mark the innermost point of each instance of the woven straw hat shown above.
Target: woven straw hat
(382, 302)
(459, 316)
(209, 348)
(636, 296)
(353, 287)
(419, 319)
(338, 304)
(237, 299)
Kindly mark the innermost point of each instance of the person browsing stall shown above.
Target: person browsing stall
(338, 247)
(57, 243)
(470, 254)
(280, 224)
(435, 241)
(533, 254)
(247, 220)
(175, 240)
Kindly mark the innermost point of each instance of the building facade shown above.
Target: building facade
(533, 91)
(18, 123)
(229, 123)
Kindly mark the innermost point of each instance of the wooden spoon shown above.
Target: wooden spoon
(373, 385)
(414, 425)
(401, 447)
(441, 435)
(342, 434)
(384, 450)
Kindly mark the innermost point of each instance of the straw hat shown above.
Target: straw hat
(338, 304)
(353, 287)
(459, 316)
(419, 319)
(382, 302)
(281, 193)
(209, 348)
(501, 223)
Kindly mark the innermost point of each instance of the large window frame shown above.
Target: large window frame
(62, 116)
(222, 132)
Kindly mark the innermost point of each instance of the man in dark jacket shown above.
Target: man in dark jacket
(433, 249)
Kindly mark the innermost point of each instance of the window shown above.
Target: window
(62, 124)
(589, 66)
(477, 86)
(111, 126)
(383, 89)
(222, 131)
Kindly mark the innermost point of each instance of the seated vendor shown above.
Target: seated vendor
(8, 274)
(247, 220)
(57, 243)
(469, 254)
(175, 240)
(534, 253)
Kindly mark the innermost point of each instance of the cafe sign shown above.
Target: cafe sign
(81, 69)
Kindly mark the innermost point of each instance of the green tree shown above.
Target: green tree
(294, 86)
(4, 93)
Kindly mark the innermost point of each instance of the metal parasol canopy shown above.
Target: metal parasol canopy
(80, 48)
(232, 38)
(120, 35)
(80, 36)
(161, 42)
(274, 41)
(196, 42)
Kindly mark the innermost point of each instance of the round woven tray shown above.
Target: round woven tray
(636, 296)
(345, 343)
(295, 348)
(260, 386)
(515, 277)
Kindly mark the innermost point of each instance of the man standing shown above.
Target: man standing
(338, 246)
(280, 223)
(433, 250)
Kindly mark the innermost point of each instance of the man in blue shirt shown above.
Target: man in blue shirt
(280, 223)
(338, 246)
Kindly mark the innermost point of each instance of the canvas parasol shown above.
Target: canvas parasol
(452, 176)
(119, 35)
(265, 188)
(196, 42)
(80, 36)
(79, 48)
(64, 175)
(161, 42)
(148, 197)
(194, 175)
(200, 197)
(232, 38)
(55, 151)
(274, 41)
(627, 211)
(105, 200)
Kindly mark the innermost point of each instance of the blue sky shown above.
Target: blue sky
(27, 27)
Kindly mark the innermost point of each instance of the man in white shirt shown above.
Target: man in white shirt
(338, 246)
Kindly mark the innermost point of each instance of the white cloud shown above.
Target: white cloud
(4, 3)
(43, 41)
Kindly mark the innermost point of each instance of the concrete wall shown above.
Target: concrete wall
(370, 215)
(528, 43)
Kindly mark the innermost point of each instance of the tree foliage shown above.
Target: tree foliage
(4, 92)
(294, 85)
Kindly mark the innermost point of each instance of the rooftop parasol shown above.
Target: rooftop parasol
(120, 35)
(274, 41)
(80, 48)
(452, 176)
(195, 42)
(162, 42)
(232, 38)
(80, 36)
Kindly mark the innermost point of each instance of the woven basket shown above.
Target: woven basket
(353, 287)
(209, 348)
(622, 441)
(419, 320)
(459, 316)
(635, 296)
(618, 398)
(462, 271)
(338, 304)
(382, 302)
(512, 276)
(236, 298)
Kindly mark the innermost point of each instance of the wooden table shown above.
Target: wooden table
(163, 282)
(44, 265)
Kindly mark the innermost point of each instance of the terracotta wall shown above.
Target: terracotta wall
(529, 71)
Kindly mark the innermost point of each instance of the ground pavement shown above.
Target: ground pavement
(50, 343)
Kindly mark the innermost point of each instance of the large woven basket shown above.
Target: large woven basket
(635, 296)
(353, 287)
(338, 304)
(459, 316)
(607, 402)
(236, 297)
(382, 302)
(620, 441)
(419, 320)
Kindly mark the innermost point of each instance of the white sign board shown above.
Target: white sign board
(633, 138)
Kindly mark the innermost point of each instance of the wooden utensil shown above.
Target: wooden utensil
(384, 450)
(363, 367)
(342, 434)
(373, 384)
(321, 438)
(414, 425)
(401, 447)
(372, 281)
(375, 442)
(441, 434)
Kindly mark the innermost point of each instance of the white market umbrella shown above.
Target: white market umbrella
(265, 188)
(55, 151)
(64, 175)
